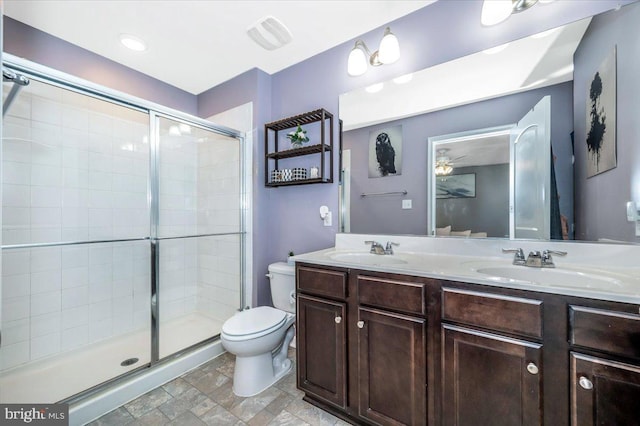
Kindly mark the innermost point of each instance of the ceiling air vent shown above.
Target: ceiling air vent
(270, 33)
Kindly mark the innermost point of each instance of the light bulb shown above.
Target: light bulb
(495, 11)
(357, 63)
(389, 50)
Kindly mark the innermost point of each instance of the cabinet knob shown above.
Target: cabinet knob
(338, 320)
(585, 383)
(532, 368)
(360, 324)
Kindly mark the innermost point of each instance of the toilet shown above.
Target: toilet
(260, 337)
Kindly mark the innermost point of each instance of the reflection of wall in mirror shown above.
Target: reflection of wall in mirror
(601, 199)
(487, 211)
(385, 214)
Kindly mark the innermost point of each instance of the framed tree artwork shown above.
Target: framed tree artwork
(601, 118)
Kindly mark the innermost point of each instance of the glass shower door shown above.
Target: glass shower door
(76, 261)
(198, 234)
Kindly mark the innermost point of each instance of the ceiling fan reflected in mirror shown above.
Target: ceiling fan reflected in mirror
(444, 164)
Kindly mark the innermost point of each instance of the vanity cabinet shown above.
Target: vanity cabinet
(322, 334)
(389, 349)
(370, 366)
(391, 356)
(490, 377)
(604, 392)
(490, 380)
(605, 366)
(322, 348)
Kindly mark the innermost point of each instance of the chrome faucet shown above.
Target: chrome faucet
(377, 248)
(389, 248)
(547, 260)
(518, 257)
(535, 259)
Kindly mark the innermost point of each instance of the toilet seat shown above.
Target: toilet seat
(253, 323)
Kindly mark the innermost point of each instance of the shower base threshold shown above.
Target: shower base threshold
(61, 376)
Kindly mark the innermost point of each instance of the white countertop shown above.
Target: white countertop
(592, 270)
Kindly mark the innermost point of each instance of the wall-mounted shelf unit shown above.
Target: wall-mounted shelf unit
(319, 126)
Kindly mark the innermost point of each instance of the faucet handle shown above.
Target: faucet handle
(556, 252)
(547, 260)
(376, 247)
(518, 257)
(389, 248)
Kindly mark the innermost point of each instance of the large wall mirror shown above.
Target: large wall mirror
(495, 144)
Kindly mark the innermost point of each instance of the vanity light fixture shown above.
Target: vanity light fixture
(132, 42)
(496, 11)
(387, 53)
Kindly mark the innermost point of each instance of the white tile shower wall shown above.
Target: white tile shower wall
(178, 278)
(219, 186)
(219, 212)
(61, 298)
(219, 276)
(178, 160)
(199, 194)
(74, 168)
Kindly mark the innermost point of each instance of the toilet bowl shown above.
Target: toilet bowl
(260, 337)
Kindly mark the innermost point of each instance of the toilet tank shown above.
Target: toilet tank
(283, 286)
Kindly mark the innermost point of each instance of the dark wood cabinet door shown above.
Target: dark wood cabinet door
(489, 379)
(391, 368)
(604, 392)
(321, 349)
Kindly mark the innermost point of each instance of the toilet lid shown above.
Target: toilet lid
(253, 321)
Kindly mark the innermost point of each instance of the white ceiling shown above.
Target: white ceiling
(196, 45)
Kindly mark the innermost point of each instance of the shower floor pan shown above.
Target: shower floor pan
(61, 376)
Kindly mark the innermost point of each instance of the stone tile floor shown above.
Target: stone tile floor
(203, 396)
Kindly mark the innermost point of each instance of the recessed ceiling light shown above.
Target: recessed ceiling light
(133, 42)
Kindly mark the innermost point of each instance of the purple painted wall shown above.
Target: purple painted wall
(37, 46)
(287, 218)
(437, 33)
(252, 86)
(487, 211)
(385, 215)
(601, 199)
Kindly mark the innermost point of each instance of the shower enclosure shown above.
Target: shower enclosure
(122, 235)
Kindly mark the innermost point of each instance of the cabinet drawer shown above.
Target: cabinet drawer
(391, 294)
(322, 282)
(497, 312)
(609, 331)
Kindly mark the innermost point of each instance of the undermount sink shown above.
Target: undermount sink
(554, 277)
(366, 258)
